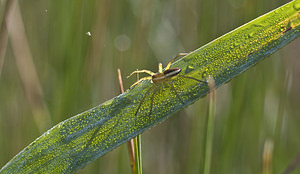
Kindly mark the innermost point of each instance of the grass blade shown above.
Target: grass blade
(210, 126)
(76, 142)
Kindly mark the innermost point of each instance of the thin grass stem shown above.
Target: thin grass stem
(138, 148)
(130, 143)
(210, 126)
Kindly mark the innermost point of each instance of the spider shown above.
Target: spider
(159, 78)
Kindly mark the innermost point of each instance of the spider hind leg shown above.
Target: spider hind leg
(144, 97)
(152, 98)
(192, 78)
(176, 93)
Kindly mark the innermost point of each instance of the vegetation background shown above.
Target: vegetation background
(76, 47)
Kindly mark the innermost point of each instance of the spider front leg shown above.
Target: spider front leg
(141, 71)
(178, 55)
(145, 78)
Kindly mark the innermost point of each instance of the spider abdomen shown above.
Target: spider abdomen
(172, 72)
(169, 73)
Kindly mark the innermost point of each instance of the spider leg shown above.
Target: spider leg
(191, 78)
(178, 55)
(145, 95)
(141, 71)
(152, 98)
(145, 78)
(160, 69)
(175, 92)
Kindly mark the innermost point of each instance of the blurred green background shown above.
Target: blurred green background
(66, 62)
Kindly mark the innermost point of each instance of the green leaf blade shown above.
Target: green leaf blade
(75, 142)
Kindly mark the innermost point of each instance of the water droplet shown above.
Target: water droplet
(296, 5)
(88, 33)
(189, 69)
(259, 24)
(236, 43)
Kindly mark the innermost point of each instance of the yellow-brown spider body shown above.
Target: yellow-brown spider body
(166, 75)
(159, 78)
